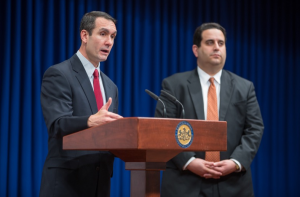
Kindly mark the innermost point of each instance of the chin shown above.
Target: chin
(102, 59)
(216, 62)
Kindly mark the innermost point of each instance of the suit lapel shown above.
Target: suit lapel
(225, 94)
(195, 91)
(85, 83)
(107, 88)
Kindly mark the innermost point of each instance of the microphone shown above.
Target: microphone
(155, 97)
(174, 99)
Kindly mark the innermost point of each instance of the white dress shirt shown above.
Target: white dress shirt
(205, 83)
(89, 69)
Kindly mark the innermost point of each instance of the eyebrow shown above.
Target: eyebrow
(214, 40)
(106, 30)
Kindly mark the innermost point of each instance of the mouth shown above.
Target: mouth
(104, 51)
(215, 55)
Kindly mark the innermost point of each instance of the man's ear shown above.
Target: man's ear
(84, 36)
(195, 50)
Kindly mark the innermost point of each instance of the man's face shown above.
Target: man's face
(101, 41)
(212, 52)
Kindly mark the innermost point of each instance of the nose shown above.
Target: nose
(109, 41)
(216, 46)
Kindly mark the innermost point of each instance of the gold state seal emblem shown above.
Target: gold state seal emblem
(184, 134)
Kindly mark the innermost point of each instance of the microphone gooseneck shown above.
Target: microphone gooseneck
(174, 99)
(155, 97)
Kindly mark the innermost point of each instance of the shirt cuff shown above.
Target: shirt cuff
(238, 163)
(188, 162)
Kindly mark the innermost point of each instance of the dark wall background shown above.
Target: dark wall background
(154, 41)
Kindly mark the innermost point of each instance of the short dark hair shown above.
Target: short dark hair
(198, 32)
(88, 20)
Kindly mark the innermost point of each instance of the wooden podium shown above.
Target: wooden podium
(146, 144)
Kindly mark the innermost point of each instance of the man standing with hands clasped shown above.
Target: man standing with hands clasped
(211, 93)
(76, 95)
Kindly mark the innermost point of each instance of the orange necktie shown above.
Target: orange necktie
(212, 114)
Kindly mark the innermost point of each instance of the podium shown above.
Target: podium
(146, 144)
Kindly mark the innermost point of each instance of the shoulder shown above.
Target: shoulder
(177, 84)
(236, 79)
(181, 77)
(62, 67)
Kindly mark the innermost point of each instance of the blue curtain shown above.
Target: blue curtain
(154, 41)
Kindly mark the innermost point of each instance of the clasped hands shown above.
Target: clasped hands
(207, 169)
(103, 116)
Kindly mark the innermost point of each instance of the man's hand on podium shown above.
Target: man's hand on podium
(103, 116)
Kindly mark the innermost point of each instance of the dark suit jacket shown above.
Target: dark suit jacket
(239, 107)
(68, 99)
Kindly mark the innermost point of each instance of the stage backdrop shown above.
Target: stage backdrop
(154, 41)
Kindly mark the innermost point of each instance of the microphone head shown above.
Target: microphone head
(154, 96)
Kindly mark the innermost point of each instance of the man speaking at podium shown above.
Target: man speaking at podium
(76, 95)
(211, 93)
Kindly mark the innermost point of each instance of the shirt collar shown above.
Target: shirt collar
(204, 77)
(88, 66)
